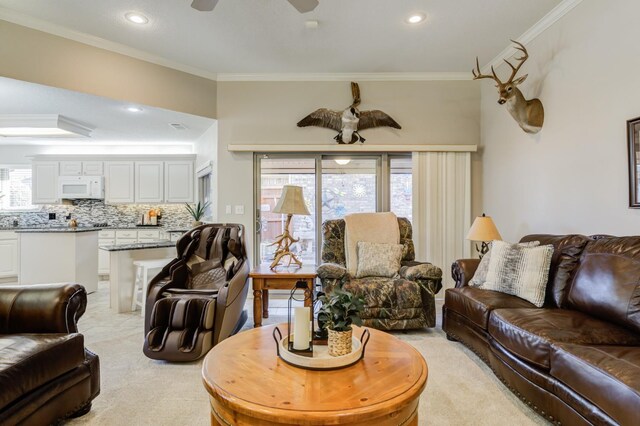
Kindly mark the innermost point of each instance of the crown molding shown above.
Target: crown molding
(538, 28)
(101, 43)
(388, 76)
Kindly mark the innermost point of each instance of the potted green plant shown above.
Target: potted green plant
(340, 309)
(197, 212)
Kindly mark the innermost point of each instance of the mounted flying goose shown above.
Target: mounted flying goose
(350, 121)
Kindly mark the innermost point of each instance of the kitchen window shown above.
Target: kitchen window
(333, 186)
(15, 189)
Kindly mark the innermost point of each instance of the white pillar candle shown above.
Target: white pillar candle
(301, 328)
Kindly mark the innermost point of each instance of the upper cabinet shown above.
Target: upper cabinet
(178, 181)
(152, 180)
(78, 168)
(44, 180)
(149, 179)
(119, 182)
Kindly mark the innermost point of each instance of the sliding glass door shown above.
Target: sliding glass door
(353, 184)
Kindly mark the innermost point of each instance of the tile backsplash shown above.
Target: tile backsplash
(88, 212)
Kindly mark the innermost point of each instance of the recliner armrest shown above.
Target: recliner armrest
(41, 308)
(420, 270)
(331, 271)
(462, 271)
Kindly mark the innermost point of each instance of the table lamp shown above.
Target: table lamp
(291, 202)
(483, 230)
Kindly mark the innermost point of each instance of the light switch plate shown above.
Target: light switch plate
(239, 209)
(227, 209)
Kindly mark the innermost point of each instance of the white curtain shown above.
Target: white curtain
(441, 208)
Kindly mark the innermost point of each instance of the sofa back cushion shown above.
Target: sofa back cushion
(607, 281)
(567, 250)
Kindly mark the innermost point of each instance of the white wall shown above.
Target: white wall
(206, 148)
(572, 176)
(430, 112)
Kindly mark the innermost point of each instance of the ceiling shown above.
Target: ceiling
(112, 122)
(269, 36)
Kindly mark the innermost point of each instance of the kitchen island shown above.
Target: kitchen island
(50, 255)
(121, 270)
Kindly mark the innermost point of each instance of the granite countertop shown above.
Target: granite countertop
(138, 246)
(55, 230)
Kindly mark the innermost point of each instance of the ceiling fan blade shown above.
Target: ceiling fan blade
(304, 6)
(204, 5)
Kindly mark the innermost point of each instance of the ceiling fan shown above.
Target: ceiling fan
(302, 6)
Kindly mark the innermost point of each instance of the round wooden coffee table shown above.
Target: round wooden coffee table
(249, 385)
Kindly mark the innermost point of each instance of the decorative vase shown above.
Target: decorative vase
(196, 223)
(339, 342)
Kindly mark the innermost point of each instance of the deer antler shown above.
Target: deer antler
(522, 60)
(477, 74)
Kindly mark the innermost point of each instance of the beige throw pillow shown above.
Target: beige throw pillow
(378, 260)
(519, 271)
(480, 276)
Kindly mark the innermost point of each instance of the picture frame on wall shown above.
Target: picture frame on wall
(633, 149)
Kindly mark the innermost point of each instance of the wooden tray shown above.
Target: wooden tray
(321, 359)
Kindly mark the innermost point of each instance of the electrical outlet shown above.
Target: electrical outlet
(227, 209)
(239, 209)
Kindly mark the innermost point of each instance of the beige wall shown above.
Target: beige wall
(572, 176)
(38, 57)
(430, 112)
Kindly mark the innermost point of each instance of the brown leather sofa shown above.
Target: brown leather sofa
(46, 373)
(576, 360)
(195, 302)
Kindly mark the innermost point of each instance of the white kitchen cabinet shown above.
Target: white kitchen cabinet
(70, 168)
(44, 182)
(119, 182)
(9, 255)
(179, 182)
(92, 168)
(103, 255)
(149, 179)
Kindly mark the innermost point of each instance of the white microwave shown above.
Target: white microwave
(79, 187)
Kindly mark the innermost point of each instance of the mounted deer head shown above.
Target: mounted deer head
(529, 114)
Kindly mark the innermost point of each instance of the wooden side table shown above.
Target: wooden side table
(264, 279)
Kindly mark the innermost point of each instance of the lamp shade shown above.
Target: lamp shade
(483, 229)
(291, 201)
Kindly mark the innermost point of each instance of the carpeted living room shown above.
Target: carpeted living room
(319, 212)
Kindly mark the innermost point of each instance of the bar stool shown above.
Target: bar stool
(142, 280)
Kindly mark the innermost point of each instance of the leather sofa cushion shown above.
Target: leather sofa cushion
(566, 255)
(529, 333)
(476, 304)
(608, 376)
(606, 283)
(27, 361)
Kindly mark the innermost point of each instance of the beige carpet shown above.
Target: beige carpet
(461, 389)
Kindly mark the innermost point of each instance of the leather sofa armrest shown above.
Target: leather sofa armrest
(331, 271)
(41, 308)
(462, 271)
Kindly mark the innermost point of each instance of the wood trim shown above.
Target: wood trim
(351, 148)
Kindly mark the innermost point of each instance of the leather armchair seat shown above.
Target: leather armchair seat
(46, 374)
(576, 360)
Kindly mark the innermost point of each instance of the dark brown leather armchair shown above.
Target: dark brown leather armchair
(198, 299)
(46, 373)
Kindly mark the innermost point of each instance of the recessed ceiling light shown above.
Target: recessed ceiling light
(136, 18)
(134, 108)
(416, 18)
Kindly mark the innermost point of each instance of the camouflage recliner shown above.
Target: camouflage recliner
(406, 301)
